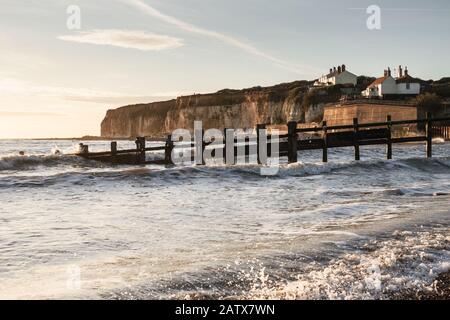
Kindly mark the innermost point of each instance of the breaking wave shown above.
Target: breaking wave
(406, 265)
(400, 265)
(23, 163)
(313, 230)
(19, 163)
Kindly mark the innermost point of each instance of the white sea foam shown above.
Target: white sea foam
(190, 221)
(380, 269)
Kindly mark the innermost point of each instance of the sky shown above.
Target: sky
(59, 74)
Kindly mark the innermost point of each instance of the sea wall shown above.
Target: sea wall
(367, 112)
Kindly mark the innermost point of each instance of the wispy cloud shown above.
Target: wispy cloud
(230, 40)
(132, 39)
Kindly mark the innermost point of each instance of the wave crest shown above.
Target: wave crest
(18, 163)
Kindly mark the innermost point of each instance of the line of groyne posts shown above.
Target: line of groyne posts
(324, 138)
(364, 134)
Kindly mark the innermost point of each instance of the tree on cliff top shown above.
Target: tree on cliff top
(428, 102)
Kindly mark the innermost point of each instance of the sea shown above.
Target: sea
(77, 229)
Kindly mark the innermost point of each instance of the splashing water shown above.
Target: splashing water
(72, 228)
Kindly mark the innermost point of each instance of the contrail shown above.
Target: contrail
(139, 4)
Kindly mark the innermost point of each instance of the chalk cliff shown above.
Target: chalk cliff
(237, 108)
(224, 109)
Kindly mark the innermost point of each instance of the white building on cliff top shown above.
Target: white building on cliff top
(336, 76)
(388, 86)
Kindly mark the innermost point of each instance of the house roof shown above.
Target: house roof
(333, 74)
(378, 81)
(407, 79)
(336, 73)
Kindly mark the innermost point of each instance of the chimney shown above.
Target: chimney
(400, 71)
(389, 72)
(334, 69)
(331, 70)
(385, 72)
(339, 69)
(406, 71)
(343, 67)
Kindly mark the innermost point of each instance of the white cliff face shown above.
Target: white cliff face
(225, 109)
(314, 112)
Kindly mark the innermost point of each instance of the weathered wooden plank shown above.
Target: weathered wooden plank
(372, 124)
(161, 148)
(310, 144)
(409, 139)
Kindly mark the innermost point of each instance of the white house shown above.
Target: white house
(388, 86)
(336, 76)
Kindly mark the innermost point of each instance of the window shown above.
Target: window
(408, 86)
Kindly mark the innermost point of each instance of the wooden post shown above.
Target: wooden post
(138, 143)
(140, 149)
(292, 141)
(429, 135)
(114, 151)
(246, 146)
(225, 146)
(168, 150)
(325, 142)
(83, 148)
(203, 148)
(389, 138)
(356, 139)
(142, 158)
(259, 142)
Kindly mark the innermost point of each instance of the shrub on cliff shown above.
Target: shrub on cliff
(363, 83)
(445, 80)
(442, 90)
(322, 95)
(428, 102)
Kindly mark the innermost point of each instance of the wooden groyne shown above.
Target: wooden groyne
(441, 131)
(322, 138)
